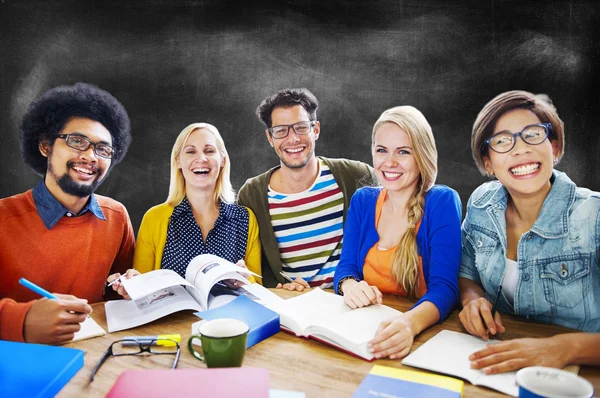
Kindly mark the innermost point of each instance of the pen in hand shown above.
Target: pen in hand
(494, 306)
(115, 281)
(287, 278)
(37, 289)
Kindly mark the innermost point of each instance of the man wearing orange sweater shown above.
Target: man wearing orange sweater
(60, 235)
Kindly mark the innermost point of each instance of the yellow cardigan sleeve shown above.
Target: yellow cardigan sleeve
(253, 255)
(151, 238)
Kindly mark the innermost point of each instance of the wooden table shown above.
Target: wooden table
(293, 363)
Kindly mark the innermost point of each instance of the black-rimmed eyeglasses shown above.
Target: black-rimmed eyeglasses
(134, 347)
(300, 128)
(534, 134)
(82, 143)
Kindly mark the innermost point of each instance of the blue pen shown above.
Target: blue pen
(35, 288)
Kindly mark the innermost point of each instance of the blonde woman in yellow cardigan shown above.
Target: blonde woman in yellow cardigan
(199, 216)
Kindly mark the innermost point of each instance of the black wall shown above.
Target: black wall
(172, 63)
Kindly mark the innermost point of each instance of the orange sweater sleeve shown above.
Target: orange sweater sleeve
(12, 318)
(124, 258)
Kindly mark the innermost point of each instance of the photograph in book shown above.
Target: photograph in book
(324, 316)
(158, 293)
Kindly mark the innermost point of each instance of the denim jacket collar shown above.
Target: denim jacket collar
(553, 220)
(50, 209)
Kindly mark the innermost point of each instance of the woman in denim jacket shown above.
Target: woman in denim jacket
(530, 240)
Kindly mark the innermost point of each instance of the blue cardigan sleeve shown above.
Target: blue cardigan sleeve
(349, 264)
(442, 246)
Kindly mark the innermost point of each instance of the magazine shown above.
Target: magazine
(162, 292)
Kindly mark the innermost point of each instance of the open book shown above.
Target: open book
(162, 292)
(324, 317)
(448, 352)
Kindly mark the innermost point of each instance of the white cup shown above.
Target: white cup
(543, 382)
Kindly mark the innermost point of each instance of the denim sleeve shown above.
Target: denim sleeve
(445, 253)
(467, 265)
(348, 264)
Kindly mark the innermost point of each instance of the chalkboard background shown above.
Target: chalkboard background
(172, 63)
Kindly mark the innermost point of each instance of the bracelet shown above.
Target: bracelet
(341, 282)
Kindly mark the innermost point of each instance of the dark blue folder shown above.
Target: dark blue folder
(35, 370)
(261, 321)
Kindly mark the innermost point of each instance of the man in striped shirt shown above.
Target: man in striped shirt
(301, 204)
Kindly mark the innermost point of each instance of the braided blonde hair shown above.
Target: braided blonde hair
(405, 258)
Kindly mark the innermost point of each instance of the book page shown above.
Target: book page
(89, 329)
(205, 270)
(125, 314)
(448, 352)
(142, 285)
(298, 313)
(353, 329)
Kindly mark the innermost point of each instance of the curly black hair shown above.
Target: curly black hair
(47, 116)
(287, 98)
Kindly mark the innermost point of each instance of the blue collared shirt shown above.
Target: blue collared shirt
(51, 211)
(558, 258)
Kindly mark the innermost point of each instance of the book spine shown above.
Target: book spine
(263, 331)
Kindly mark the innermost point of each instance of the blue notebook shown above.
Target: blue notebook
(261, 321)
(35, 370)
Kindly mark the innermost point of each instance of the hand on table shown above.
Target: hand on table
(515, 354)
(118, 286)
(55, 321)
(360, 294)
(477, 319)
(298, 284)
(394, 338)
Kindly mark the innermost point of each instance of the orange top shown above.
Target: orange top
(377, 269)
(74, 257)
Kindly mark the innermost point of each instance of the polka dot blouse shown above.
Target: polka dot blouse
(227, 239)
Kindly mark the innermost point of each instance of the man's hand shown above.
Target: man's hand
(512, 355)
(55, 321)
(476, 317)
(118, 286)
(360, 294)
(299, 284)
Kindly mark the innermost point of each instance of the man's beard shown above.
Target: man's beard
(298, 164)
(71, 187)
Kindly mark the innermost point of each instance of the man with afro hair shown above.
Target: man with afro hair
(60, 235)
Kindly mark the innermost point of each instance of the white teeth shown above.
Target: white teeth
(82, 170)
(294, 150)
(201, 170)
(525, 169)
(388, 174)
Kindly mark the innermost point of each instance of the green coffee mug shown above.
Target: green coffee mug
(223, 343)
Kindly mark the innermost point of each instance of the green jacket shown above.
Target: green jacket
(349, 175)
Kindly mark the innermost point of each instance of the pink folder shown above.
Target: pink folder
(220, 382)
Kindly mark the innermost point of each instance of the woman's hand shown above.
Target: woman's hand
(360, 294)
(298, 284)
(512, 355)
(243, 271)
(118, 286)
(394, 338)
(476, 317)
(234, 283)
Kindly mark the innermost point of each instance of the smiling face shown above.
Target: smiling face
(200, 160)
(393, 159)
(77, 173)
(295, 151)
(526, 169)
